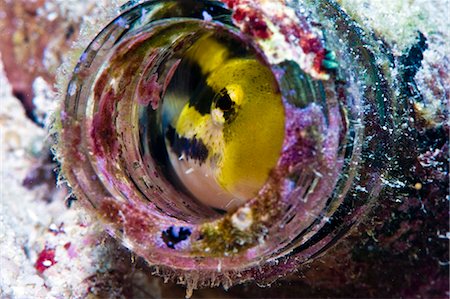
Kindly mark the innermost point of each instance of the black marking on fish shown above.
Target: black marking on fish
(191, 148)
(223, 101)
(190, 75)
(202, 98)
(190, 80)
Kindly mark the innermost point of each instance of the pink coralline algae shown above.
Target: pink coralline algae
(149, 92)
(103, 133)
(257, 17)
(254, 22)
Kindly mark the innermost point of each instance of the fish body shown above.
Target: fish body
(228, 136)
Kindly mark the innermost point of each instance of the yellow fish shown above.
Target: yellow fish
(227, 138)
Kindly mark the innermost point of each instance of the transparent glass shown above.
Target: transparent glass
(120, 160)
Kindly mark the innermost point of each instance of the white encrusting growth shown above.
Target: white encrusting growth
(242, 219)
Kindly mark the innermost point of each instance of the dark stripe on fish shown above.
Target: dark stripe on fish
(189, 77)
(202, 98)
(223, 101)
(191, 148)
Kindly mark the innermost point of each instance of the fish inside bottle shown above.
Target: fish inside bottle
(222, 122)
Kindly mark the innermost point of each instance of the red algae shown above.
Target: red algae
(149, 92)
(111, 211)
(67, 246)
(130, 217)
(254, 17)
(103, 132)
(45, 260)
(253, 21)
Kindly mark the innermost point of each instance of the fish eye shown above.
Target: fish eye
(223, 101)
